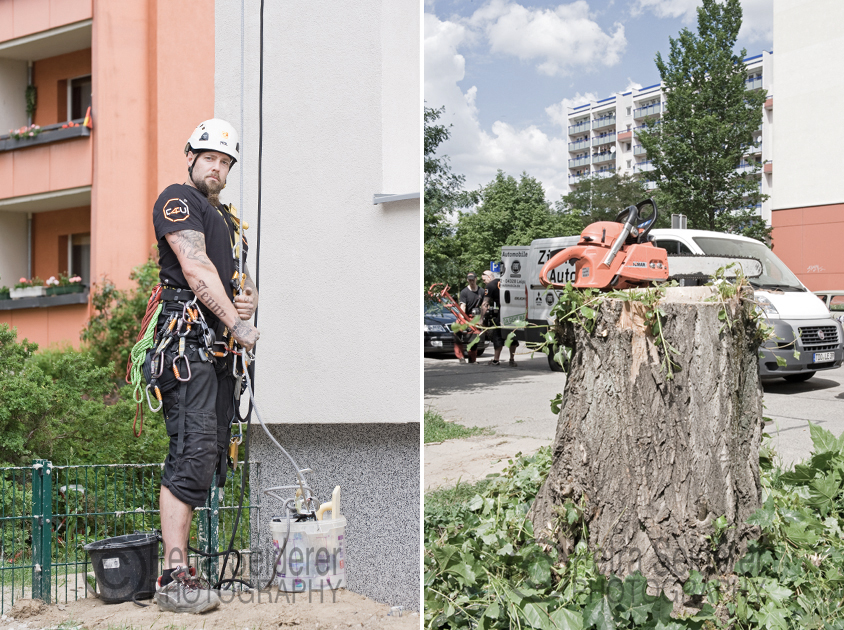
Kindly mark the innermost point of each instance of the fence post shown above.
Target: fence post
(42, 528)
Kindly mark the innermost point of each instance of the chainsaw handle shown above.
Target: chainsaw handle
(643, 225)
(558, 259)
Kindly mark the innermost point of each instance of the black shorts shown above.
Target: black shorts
(498, 335)
(208, 401)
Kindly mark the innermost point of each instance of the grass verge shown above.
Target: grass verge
(437, 429)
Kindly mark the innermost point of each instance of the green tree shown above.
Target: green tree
(113, 329)
(510, 213)
(707, 126)
(444, 194)
(599, 198)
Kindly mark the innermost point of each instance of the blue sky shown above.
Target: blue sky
(506, 71)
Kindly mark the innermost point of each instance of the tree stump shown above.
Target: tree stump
(654, 461)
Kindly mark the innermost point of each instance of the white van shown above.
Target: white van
(806, 337)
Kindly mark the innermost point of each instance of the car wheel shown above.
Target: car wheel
(799, 378)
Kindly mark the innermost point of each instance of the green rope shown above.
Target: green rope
(138, 355)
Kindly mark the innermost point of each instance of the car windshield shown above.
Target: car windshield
(775, 275)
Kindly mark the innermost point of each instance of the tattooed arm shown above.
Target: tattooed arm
(247, 302)
(201, 274)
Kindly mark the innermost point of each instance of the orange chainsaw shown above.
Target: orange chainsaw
(619, 255)
(614, 254)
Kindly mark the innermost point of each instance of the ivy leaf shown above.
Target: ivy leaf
(510, 338)
(476, 503)
(777, 592)
(823, 491)
(564, 619)
(773, 617)
(764, 516)
(695, 585)
(801, 475)
(587, 312)
(599, 614)
(822, 439)
(781, 362)
(506, 550)
(539, 569)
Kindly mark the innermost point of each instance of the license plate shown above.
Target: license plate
(822, 357)
(436, 343)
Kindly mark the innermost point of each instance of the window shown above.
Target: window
(836, 303)
(673, 247)
(79, 257)
(629, 163)
(628, 113)
(78, 97)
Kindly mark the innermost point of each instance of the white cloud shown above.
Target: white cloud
(632, 85)
(559, 40)
(757, 15)
(558, 112)
(474, 151)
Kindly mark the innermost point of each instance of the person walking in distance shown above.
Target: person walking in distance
(471, 298)
(491, 312)
(208, 299)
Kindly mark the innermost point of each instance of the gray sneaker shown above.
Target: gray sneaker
(185, 594)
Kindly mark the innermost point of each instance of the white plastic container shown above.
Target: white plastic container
(315, 555)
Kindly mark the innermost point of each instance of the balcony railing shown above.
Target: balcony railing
(638, 149)
(576, 179)
(650, 110)
(599, 158)
(650, 185)
(581, 161)
(748, 167)
(643, 167)
(603, 121)
(604, 173)
(753, 84)
(580, 144)
(48, 133)
(579, 127)
(754, 149)
(605, 139)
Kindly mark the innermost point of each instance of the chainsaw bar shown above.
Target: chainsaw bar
(691, 267)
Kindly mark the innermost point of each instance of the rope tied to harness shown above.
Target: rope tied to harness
(145, 341)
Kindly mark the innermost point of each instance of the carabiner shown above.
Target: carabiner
(176, 370)
(160, 371)
(158, 396)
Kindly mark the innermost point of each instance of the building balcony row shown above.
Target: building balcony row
(650, 110)
(579, 145)
(604, 139)
(753, 83)
(580, 127)
(603, 121)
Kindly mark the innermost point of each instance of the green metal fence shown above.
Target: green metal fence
(49, 513)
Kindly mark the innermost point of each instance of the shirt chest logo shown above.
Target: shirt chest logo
(176, 210)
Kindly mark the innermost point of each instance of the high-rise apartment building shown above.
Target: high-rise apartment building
(602, 134)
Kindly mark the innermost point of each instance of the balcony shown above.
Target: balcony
(581, 127)
(603, 173)
(749, 167)
(603, 121)
(650, 185)
(625, 135)
(650, 110)
(753, 83)
(576, 179)
(581, 161)
(605, 139)
(643, 167)
(638, 149)
(57, 160)
(579, 145)
(600, 158)
(754, 149)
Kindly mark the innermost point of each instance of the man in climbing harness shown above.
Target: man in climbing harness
(207, 300)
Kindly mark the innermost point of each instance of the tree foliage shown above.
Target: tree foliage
(707, 126)
(599, 198)
(60, 405)
(444, 194)
(511, 212)
(112, 330)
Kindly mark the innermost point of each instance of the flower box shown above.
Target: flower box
(70, 288)
(26, 292)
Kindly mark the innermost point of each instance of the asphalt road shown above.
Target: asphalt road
(514, 402)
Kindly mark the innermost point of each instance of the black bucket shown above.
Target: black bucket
(125, 566)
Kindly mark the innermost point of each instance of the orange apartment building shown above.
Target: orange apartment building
(78, 200)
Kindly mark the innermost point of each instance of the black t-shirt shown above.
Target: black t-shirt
(472, 299)
(493, 292)
(182, 207)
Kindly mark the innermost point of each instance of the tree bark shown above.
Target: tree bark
(654, 461)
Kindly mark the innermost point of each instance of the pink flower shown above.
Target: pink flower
(52, 280)
(75, 279)
(23, 280)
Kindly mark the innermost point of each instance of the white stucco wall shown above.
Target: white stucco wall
(12, 247)
(340, 303)
(12, 94)
(809, 49)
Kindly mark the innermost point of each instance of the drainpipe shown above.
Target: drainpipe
(29, 245)
(28, 83)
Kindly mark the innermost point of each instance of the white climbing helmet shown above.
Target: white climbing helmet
(215, 135)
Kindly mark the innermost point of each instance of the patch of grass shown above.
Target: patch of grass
(438, 430)
(447, 499)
